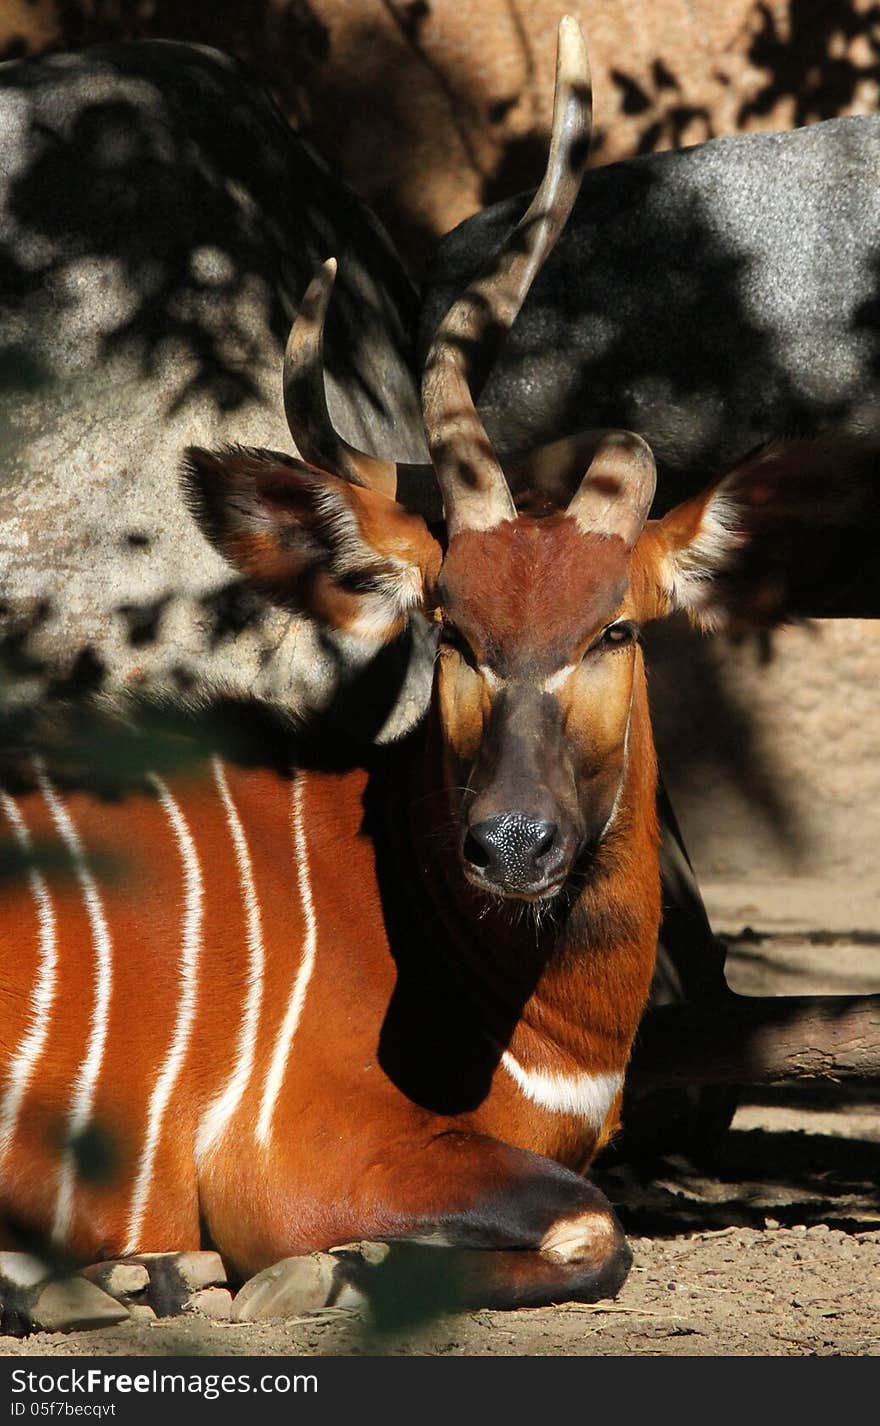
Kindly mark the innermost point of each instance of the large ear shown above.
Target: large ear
(783, 534)
(310, 541)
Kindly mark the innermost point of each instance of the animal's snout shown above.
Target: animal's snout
(512, 851)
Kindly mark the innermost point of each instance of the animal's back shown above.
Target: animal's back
(709, 298)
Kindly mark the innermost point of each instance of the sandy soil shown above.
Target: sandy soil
(773, 1248)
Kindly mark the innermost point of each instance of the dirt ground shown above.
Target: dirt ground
(772, 1249)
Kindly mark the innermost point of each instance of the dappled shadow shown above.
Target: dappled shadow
(813, 64)
(669, 118)
(159, 222)
(789, 1176)
(288, 45)
(204, 219)
(708, 739)
(784, 67)
(664, 308)
(407, 66)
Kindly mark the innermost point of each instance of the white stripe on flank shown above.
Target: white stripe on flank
(588, 1096)
(24, 1061)
(284, 1039)
(87, 1076)
(190, 946)
(220, 1111)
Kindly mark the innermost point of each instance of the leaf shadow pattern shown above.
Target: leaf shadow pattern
(669, 117)
(811, 60)
(191, 208)
(812, 63)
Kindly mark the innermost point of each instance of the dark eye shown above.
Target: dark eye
(451, 636)
(617, 636)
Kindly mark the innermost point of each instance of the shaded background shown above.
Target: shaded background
(432, 108)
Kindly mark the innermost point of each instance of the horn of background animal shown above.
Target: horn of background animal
(310, 423)
(474, 489)
(615, 495)
(305, 398)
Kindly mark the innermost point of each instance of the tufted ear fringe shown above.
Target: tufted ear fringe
(311, 541)
(783, 535)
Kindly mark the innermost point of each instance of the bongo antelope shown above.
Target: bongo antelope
(389, 996)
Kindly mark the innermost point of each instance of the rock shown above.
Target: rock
(74, 1304)
(213, 1302)
(359, 1260)
(121, 1280)
(200, 1270)
(141, 1312)
(294, 1286)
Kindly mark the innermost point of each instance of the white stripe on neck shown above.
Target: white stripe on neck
(585, 1096)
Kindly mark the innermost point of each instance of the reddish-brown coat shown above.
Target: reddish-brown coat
(531, 588)
(342, 1127)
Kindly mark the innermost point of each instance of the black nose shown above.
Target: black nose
(508, 848)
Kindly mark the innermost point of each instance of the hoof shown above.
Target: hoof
(176, 1280)
(34, 1299)
(296, 1286)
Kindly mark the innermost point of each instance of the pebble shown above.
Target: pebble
(370, 1253)
(213, 1302)
(194, 1270)
(174, 1277)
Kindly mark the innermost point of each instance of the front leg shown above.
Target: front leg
(496, 1226)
